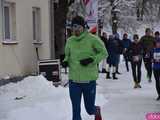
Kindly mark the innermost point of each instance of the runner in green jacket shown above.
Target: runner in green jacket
(82, 47)
(83, 52)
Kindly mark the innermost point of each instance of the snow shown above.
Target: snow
(39, 97)
(40, 100)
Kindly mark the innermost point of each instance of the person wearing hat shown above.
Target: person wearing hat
(83, 51)
(93, 30)
(156, 65)
(147, 42)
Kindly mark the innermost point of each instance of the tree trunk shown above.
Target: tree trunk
(61, 10)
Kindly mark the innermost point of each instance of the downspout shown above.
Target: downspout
(52, 34)
(2, 19)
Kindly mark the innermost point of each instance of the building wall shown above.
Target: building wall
(20, 58)
(0, 20)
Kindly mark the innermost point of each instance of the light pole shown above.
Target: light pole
(114, 21)
(100, 26)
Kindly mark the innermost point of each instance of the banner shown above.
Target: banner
(91, 8)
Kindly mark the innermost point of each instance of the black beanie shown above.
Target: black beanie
(78, 20)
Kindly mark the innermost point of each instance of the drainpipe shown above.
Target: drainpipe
(2, 19)
(52, 35)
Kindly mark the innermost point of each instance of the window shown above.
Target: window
(36, 24)
(9, 22)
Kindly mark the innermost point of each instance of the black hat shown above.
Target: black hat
(157, 33)
(148, 30)
(135, 36)
(78, 20)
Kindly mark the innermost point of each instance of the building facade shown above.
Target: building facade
(24, 25)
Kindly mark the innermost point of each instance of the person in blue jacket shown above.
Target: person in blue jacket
(156, 65)
(126, 44)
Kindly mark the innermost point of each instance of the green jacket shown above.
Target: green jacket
(147, 43)
(78, 48)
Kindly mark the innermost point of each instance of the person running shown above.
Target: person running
(156, 65)
(135, 52)
(126, 44)
(83, 51)
(147, 42)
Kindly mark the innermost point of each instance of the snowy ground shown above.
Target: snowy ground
(39, 100)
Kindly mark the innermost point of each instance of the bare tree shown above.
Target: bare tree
(133, 13)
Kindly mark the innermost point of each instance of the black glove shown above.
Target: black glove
(86, 61)
(65, 64)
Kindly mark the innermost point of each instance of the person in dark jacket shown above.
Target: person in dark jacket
(135, 52)
(156, 35)
(147, 42)
(113, 58)
(105, 40)
(126, 44)
(156, 65)
(119, 51)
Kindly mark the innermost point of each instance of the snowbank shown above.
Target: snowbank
(35, 98)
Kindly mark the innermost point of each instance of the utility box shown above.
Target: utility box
(50, 69)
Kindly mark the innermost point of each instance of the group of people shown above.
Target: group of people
(146, 49)
(84, 51)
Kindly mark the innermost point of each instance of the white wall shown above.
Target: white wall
(20, 58)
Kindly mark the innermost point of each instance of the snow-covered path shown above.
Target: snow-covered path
(126, 103)
(42, 101)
